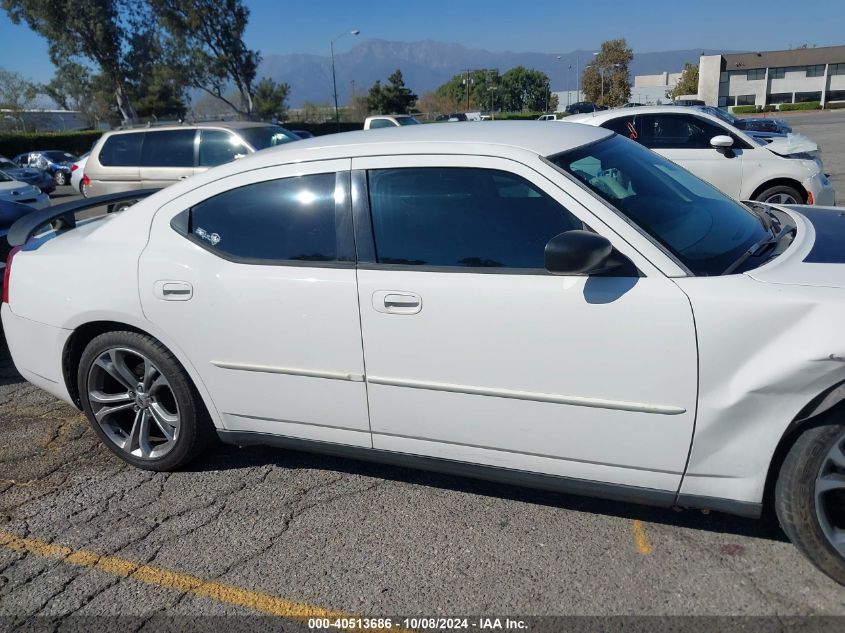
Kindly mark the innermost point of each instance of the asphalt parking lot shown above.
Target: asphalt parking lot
(265, 532)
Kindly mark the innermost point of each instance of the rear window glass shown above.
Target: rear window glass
(121, 150)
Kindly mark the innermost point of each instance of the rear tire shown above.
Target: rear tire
(810, 497)
(141, 402)
(780, 194)
(61, 178)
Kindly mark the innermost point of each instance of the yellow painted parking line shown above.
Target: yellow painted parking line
(641, 539)
(152, 575)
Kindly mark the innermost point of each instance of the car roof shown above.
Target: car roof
(613, 112)
(533, 136)
(230, 125)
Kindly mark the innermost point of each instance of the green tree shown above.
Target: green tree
(206, 43)
(94, 30)
(16, 94)
(525, 89)
(470, 90)
(605, 81)
(270, 99)
(391, 98)
(687, 84)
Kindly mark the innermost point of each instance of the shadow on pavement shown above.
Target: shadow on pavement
(8, 373)
(225, 457)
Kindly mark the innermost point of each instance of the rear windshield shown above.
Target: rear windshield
(268, 136)
(60, 157)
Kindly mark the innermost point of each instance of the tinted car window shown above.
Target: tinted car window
(377, 123)
(624, 125)
(462, 217)
(169, 148)
(674, 131)
(122, 150)
(266, 136)
(218, 147)
(287, 219)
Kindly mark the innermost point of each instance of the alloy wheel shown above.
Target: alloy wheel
(781, 198)
(133, 403)
(830, 496)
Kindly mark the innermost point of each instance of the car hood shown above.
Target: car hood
(25, 174)
(793, 144)
(816, 256)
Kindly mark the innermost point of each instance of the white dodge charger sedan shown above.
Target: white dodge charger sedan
(783, 171)
(550, 305)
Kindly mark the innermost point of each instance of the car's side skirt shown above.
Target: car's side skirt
(556, 483)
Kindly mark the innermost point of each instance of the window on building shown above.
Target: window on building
(290, 219)
(815, 71)
(835, 95)
(836, 69)
(756, 73)
(723, 102)
(746, 99)
(777, 73)
(804, 97)
(724, 78)
(780, 97)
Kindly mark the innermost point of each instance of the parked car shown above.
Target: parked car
(549, 117)
(786, 170)
(77, 172)
(12, 190)
(457, 116)
(533, 240)
(388, 120)
(632, 104)
(29, 175)
(763, 129)
(688, 102)
(581, 107)
(158, 157)
(55, 162)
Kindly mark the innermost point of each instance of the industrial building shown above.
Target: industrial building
(773, 77)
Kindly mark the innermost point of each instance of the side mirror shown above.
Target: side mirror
(579, 253)
(722, 141)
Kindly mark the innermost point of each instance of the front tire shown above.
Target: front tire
(141, 402)
(780, 194)
(810, 497)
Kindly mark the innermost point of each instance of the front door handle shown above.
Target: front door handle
(397, 302)
(173, 290)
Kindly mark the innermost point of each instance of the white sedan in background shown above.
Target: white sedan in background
(551, 305)
(785, 171)
(12, 190)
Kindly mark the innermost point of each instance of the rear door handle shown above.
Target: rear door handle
(173, 290)
(396, 302)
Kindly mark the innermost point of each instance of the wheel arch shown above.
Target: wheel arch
(85, 333)
(778, 182)
(825, 407)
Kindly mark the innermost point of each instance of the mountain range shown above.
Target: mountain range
(427, 64)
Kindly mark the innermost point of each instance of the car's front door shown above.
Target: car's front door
(252, 277)
(475, 353)
(685, 139)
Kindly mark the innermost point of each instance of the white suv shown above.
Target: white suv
(552, 305)
(785, 171)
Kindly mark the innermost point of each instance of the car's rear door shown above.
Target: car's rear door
(167, 156)
(475, 353)
(253, 277)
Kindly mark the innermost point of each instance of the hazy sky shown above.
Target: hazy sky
(560, 26)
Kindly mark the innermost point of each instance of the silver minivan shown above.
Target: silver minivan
(151, 158)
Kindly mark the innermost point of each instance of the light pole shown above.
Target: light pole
(492, 90)
(334, 77)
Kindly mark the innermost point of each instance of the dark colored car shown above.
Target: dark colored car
(581, 107)
(763, 129)
(29, 175)
(55, 162)
(457, 116)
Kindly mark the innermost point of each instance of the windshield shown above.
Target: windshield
(60, 157)
(727, 117)
(407, 120)
(264, 137)
(7, 164)
(702, 227)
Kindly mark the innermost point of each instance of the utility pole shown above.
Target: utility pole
(466, 85)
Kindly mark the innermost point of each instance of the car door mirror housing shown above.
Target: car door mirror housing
(580, 253)
(722, 141)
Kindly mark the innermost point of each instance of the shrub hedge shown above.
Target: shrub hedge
(15, 143)
(809, 105)
(744, 109)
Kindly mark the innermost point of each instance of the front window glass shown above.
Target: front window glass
(702, 227)
(266, 136)
(673, 131)
(462, 217)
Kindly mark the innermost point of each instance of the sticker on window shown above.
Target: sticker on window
(212, 238)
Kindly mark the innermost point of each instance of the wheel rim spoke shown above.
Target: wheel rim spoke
(132, 403)
(837, 456)
(830, 482)
(830, 492)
